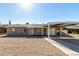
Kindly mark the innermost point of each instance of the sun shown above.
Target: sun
(25, 5)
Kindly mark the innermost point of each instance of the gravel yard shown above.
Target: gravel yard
(28, 47)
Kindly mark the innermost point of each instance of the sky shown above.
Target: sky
(39, 13)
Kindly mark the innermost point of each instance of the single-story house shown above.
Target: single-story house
(27, 29)
(49, 29)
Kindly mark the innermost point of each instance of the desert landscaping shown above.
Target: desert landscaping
(15, 46)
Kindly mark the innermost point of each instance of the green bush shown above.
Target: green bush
(73, 31)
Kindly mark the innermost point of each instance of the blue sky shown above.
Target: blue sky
(39, 13)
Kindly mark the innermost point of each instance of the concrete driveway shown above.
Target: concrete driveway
(70, 43)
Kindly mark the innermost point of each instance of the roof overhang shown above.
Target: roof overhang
(26, 26)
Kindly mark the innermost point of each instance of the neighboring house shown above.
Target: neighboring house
(73, 29)
(51, 29)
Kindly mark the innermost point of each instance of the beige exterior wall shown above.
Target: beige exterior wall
(18, 31)
(29, 31)
(52, 31)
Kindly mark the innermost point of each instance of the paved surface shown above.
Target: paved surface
(70, 43)
(22, 46)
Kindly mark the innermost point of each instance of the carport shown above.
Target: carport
(59, 26)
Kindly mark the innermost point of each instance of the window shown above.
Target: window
(13, 29)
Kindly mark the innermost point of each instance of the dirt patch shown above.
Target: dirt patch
(28, 47)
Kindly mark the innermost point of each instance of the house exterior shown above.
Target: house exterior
(29, 29)
(49, 29)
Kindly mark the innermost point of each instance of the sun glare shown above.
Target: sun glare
(26, 5)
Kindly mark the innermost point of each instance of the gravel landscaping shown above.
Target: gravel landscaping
(28, 47)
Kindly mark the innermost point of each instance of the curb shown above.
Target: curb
(66, 50)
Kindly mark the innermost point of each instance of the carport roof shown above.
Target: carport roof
(67, 23)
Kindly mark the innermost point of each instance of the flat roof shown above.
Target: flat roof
(26, 25)
(67, 23)
(3, 25)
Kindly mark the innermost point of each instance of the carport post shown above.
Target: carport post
(60, 31)
(42, 31)
(48, 31)
(29, 31)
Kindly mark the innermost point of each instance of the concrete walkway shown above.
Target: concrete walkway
(66, 44)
